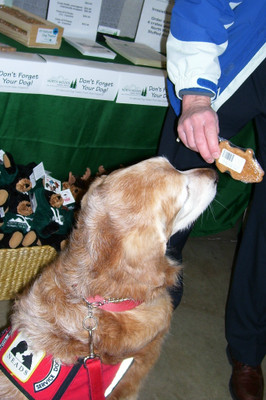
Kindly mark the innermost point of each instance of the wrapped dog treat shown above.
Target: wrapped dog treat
(240, 163)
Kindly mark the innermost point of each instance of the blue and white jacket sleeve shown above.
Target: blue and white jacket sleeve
(198, 36)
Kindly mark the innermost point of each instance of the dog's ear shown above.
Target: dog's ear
(144, 256)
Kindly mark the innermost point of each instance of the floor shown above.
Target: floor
(193, 363)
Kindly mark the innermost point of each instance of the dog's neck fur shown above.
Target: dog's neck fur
(104, 268)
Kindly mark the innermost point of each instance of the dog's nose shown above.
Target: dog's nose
(214, 174)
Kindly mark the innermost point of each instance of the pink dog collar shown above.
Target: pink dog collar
(112, 304)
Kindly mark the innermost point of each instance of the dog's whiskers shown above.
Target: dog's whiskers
(221, 204)
(210, 208)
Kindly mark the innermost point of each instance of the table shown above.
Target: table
(75, 133)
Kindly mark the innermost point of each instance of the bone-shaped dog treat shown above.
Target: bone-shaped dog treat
(241, 164)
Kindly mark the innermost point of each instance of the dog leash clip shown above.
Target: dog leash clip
(91, 347)
(90, 323)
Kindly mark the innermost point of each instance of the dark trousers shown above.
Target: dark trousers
(246, 307)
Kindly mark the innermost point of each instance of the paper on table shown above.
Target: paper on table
(88, 47)
(137, 53)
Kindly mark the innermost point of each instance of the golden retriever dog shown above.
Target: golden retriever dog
(69, 320)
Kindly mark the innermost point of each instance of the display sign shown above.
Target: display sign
(21, 72)
(69, 77)
(143, 86)
(154, 24)
(80, 78)
(77, 17)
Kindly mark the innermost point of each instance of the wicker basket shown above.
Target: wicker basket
(19, 266)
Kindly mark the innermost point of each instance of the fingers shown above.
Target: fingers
(211, 135)
(206, 136)
(199, 129)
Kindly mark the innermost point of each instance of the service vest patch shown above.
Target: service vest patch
(40, 377)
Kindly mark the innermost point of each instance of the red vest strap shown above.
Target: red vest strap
(94, 371)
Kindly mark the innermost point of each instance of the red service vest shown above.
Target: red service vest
(40, 377)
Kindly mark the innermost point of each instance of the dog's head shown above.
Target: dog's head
(130, 214)
(152, 195)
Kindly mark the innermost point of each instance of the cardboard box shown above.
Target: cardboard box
(29, 29)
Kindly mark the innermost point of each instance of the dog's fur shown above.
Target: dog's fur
(117, 250)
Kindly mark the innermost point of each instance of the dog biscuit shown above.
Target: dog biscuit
(241, 164)
(6, 48)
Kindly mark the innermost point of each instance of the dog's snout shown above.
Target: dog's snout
(209, 172)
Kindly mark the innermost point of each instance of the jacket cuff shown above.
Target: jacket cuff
(195, 91)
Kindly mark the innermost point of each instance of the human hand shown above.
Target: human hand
(198, 126)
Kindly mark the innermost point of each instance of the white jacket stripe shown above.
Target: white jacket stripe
(189, 61)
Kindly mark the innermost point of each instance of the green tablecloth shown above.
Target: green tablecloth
(71, 134)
